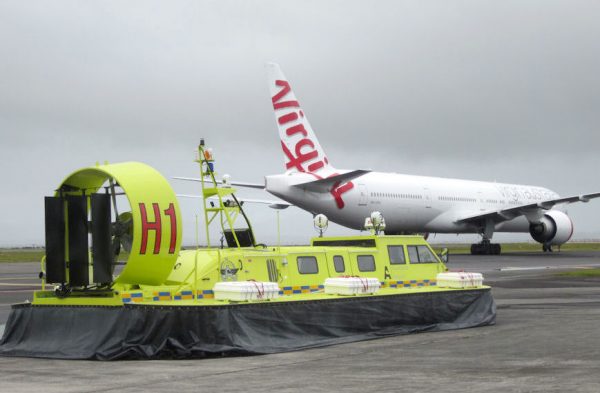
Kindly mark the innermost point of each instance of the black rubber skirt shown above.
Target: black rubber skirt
(158, 332)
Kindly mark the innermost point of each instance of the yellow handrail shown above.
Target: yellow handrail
(43, 272)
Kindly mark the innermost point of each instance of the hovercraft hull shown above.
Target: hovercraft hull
(135, 331)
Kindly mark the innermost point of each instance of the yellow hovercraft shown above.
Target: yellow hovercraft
(242, 298)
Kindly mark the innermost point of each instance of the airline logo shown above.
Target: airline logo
(305, 154)
(337, 190)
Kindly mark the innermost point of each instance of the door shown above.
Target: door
(396, 270)
(364, 195)
(480, 201)
(427, 196)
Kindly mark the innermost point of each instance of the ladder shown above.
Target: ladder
(215, 202)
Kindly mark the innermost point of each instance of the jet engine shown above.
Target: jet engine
(554, 228)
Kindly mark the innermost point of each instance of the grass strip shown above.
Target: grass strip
(581, 273)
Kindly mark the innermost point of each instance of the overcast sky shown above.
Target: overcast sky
(484, 90)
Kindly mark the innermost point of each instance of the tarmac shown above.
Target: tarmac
(546, 340)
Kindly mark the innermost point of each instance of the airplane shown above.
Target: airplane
(409, 204)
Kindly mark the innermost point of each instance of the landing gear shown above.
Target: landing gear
(547, 247)
(485, 248)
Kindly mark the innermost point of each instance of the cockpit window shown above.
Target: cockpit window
(421, 254)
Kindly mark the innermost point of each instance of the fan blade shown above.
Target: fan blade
(116, 245)
(126, 241)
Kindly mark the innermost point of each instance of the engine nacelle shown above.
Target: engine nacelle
(554, 228)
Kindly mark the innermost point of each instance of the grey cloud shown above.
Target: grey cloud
(504, 91)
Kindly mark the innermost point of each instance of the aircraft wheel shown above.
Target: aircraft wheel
(474, 249)
(497, 249)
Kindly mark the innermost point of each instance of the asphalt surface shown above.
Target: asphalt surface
(546, 340)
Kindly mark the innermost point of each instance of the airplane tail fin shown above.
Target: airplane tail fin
(302, 150)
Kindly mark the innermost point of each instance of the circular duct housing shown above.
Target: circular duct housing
(153, 226)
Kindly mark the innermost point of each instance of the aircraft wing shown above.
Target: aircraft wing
(531, 210)
(273, 204)
(325, 185)
(233, 183)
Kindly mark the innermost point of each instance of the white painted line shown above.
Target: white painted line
(7, 284)
(517, 268)
(510, 269)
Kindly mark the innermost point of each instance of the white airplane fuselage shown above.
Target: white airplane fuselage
(411, 203)
(408, 203)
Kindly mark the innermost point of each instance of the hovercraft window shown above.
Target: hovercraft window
(396, 255)
(425, 255)
(421, 254)
(366, 263)
(307, 265)
(338, 264)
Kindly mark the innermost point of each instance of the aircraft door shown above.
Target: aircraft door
(364, 195)
(480, 201)
(427, 196)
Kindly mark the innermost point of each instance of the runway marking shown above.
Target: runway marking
(517, 268)
(510, 269)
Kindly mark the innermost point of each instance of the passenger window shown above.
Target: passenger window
(338, 264)
(307, 265)
(366, 263)
(396, 254)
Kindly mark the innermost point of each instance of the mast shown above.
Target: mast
(214, 199)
